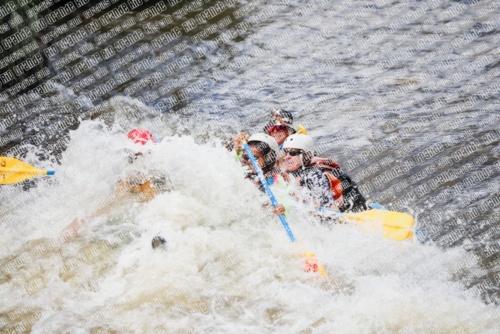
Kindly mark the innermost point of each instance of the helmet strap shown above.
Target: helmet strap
(302, 161)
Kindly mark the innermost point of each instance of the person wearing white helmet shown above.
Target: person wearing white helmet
(300, 161)
(265, 150)
(299, 151)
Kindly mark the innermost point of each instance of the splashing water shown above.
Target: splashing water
(228, 265)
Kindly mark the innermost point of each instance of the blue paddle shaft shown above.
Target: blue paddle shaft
(268, 191)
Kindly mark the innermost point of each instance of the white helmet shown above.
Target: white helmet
(262, 137)
(300, 141)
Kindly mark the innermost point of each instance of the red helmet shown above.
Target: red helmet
(140, 136)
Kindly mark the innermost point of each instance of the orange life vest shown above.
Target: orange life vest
(332, 171)
(344, 190)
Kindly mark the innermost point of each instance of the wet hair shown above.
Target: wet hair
(262, 147)
(267, 153)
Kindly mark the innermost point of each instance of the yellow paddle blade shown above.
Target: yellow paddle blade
(301, 130)
(14, 163)
(395, 225)
(312, 262)
(13, 171)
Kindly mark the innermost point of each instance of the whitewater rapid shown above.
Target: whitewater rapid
(228, 266)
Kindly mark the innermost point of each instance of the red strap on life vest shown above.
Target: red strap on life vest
(336, 188)
(325, 163)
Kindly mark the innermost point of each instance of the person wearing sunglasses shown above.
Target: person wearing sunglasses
(298, 152)
(280, 125)
(300, 162)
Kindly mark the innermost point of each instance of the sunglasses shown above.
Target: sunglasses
(293, 153)
(273, 128)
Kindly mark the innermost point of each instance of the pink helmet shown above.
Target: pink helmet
(140, 136)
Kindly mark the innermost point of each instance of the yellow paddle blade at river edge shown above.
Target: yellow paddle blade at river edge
(395, 225)
(312, 263)
(13, 171)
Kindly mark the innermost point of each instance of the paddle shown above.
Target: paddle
(312, 261)
(395, 225)
(14, 171)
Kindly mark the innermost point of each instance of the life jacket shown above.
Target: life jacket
(345, 192)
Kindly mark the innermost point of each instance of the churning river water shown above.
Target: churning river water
(403, 94)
